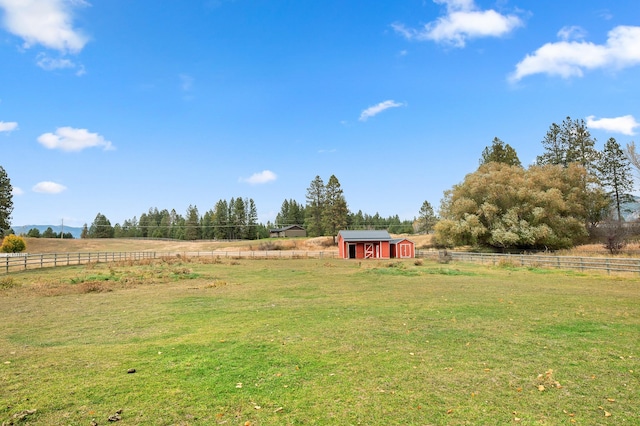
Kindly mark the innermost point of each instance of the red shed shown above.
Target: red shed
(403, 248)
(373, 245)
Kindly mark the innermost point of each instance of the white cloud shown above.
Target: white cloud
(48, 63)
(45, 22)
(17, 191)
(8, 126)
(70, 139)
(571, 58)
(377, 109)
(49, 188)
(463, 21)
(625, 124)
(573, 32)
(264, 176)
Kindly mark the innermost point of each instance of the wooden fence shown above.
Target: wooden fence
(20, 262)
(579, 263)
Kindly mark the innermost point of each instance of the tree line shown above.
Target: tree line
(233, 219)
(325, 213)
(49, 233)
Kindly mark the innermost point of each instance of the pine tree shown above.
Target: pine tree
(555, 150)
(315, 206)
(221, 220)
(614, 171)
(239, 217)
(335, 211)
(100, 228)
(192, 228)
(580, 145)
(426, 218)
(6, 201)
(252, 220)
(500, 152)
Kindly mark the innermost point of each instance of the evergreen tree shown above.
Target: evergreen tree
(221, 220)
(34, 233)
(314, 208)
(569, 143)
(580, 145)
(192, 225)
(283, 215)
(291, 213)
(252, 220)
(101, 227)
(48, 233)
(426, 218)
(207, 225)
(555, 150)
(614, 171)
(165, 224)
(6, 202)
(335, 211)
(500, 152)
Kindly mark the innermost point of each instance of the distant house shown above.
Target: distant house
(373, 245)
(288, 231)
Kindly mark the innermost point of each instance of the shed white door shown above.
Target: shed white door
(369, 251)
(405, 250)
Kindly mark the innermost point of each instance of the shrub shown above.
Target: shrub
(13, 244)
(7, 282)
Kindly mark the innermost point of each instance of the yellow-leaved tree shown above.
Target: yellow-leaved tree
(505, 207)
(13, 244)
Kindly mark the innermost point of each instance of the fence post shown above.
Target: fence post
(608, 268)
(7, 268)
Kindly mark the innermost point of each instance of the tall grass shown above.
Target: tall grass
(318, 342)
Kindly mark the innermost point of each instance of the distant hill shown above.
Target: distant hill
(631, 210)
(23, 229)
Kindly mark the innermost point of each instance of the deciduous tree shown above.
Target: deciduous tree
(13, 244)
(505, 207)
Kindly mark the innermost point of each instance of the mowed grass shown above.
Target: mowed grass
(327, 342)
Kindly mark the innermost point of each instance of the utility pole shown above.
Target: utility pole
(62, 231)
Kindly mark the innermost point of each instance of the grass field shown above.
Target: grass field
(327, 342)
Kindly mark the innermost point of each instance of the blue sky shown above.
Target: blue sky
(116, 106)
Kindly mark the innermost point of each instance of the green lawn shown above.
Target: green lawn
(328, 342)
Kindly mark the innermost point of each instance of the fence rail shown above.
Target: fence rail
(21, 262)
(579, 263)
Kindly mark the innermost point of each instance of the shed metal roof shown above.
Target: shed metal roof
(365, 235)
